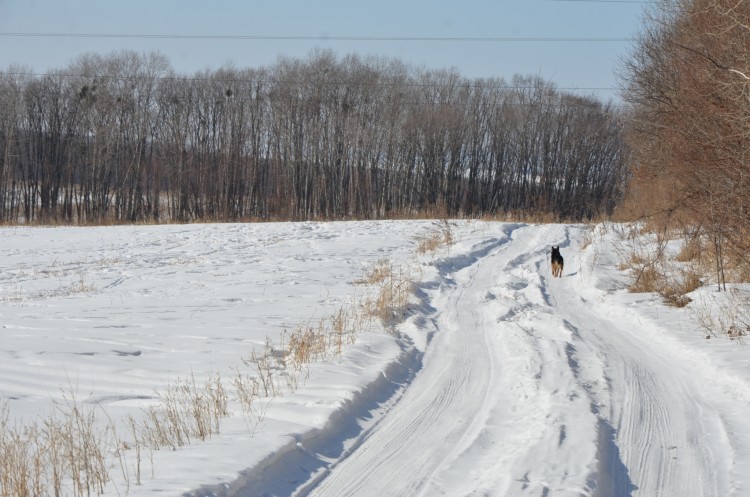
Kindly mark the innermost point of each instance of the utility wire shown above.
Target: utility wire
(605, 1)
(481, 39)
(319, 38)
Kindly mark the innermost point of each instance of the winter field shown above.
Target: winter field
(355, 359)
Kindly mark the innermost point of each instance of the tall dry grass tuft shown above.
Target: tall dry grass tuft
(66, 453)
(391, 299)
(247, 391)
(22, 461)
(441, 235)
(85, 445)
(186, 411)
(655, 270)
(675, 288)
(378, 273)
(268, 366)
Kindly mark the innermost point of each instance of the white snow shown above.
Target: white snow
(501, 381)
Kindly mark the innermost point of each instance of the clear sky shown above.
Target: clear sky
(415, 31)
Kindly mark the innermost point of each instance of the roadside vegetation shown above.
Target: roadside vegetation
(679, 264)
(687, 83)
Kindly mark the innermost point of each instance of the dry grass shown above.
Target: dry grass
(645, 259)
(653, 270)
(693, 250)
(524, 216)
(186, 411)
(441, 235)
(672, 285)
(378, 273)
(391, 299)
(65, 453)
(247, 391)
(674, 289)
(324, 339)
(646, 279)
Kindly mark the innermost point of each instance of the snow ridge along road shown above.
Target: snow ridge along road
(526, 387)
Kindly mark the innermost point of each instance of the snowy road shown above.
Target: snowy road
(529, 387)
(502, 381)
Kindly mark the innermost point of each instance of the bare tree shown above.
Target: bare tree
(123, 138)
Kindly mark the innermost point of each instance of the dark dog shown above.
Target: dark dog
(557, 262)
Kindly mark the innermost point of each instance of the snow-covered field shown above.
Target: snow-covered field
(500, 381)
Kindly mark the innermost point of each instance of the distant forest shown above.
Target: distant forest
(123, 138)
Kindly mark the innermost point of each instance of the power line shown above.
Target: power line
(469, 39)
(605, 1)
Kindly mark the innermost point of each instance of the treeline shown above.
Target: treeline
(123, 138)
(689, 85)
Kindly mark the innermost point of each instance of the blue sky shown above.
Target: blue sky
(588, 64)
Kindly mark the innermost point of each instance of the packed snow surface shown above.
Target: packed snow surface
(499, 380)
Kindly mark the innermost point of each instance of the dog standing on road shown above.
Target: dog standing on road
(557, 262)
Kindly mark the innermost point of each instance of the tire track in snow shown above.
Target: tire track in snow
(487, 404)
(651, 419)
(661, 421)
(664, 431)
(443, 408)
(541, 431)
